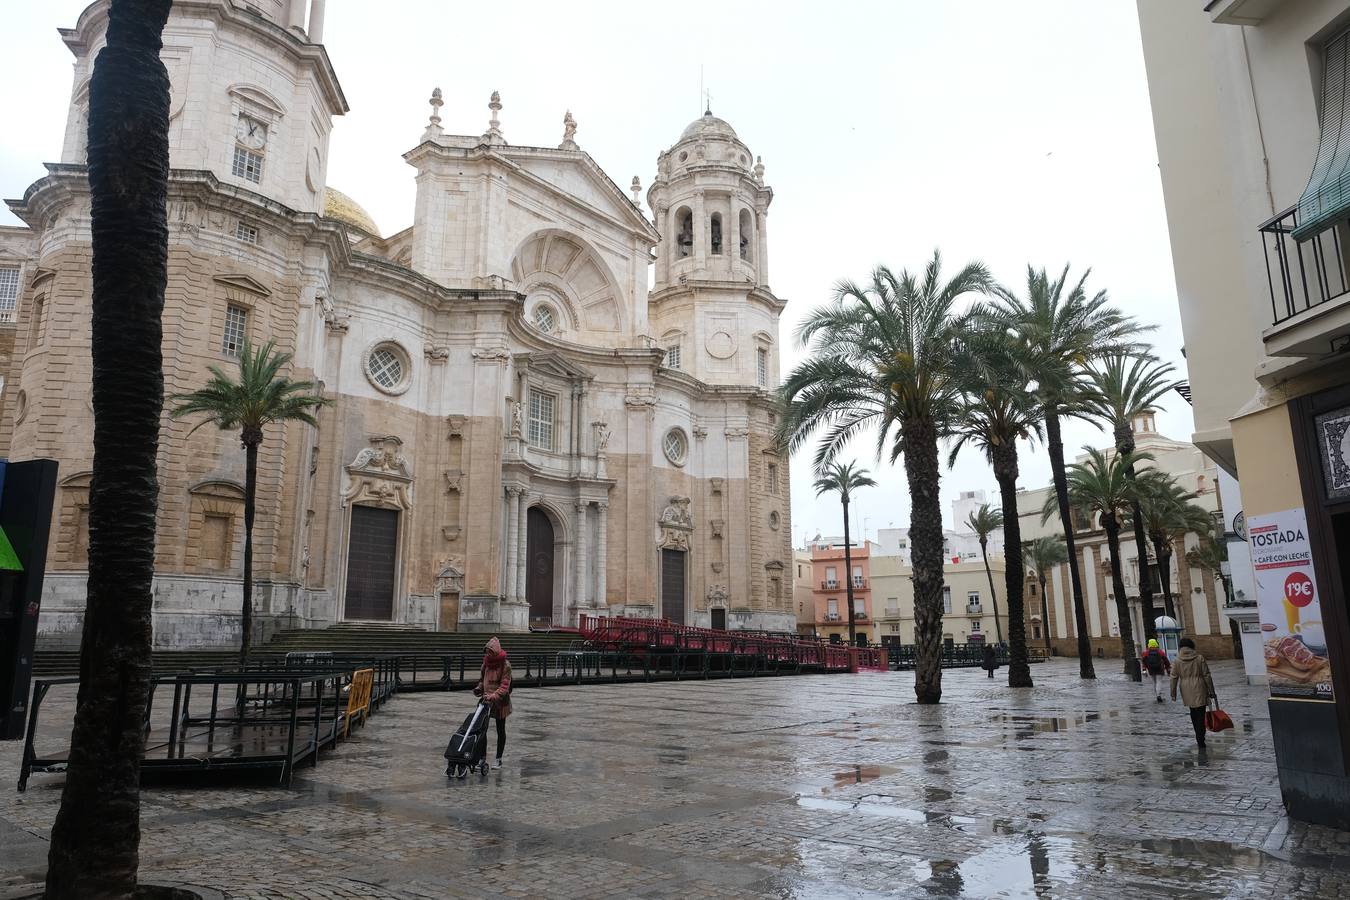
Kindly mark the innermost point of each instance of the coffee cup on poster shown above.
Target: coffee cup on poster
(1313, 635)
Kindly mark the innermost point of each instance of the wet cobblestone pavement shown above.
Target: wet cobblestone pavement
(821, 786)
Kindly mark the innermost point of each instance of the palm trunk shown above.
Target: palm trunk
(95, 840)
(1005, 470)
(252, 438)
(1056, 445)
(1164, 557)
(848, 579)
(988, 573)
(921, 470)
(1128, 652)
(1045, 610)
(1125, 445)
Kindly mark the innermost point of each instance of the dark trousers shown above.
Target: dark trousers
(1198, 723)
(501, 736)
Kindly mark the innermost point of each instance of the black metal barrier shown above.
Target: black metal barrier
(958, 656)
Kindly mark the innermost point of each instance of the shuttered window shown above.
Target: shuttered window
(1326, 199)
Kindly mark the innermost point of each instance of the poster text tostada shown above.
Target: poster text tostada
(1289, 605)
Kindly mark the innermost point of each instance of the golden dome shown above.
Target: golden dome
(337, 205)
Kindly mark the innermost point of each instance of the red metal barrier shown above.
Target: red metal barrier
(641, 634)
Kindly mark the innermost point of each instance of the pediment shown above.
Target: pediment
(551, 362)
(244, 283)
(575, 176)
(259, 99)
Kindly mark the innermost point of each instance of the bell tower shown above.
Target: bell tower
(711, 309)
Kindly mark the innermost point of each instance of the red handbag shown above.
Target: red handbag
(1217, 720)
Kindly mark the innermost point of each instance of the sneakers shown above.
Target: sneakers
(498, 763)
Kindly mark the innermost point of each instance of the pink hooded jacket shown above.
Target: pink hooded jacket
(495, 684)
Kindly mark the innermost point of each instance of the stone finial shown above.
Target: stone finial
(569, 132)
(434, 120)
(636, 188)
(494, 133)
(759, 169)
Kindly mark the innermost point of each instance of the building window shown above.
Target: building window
(35, 329)
(236, 329)
(673, 356)
(388, 368)
(246, 232)
(773, 478)
(831, 577)
(973, 600)
(947, 600)
(774, 520)
(247, 165)
(799, 570)
(1036, 631)
(857, 576)
(832, 608)
(676, 446)
(545, 319)
(9, 292)
(1032, 588)
(715, 233)
(746, 231)
(542, 407)
(684, 233)
(762, 367)
(975, 626)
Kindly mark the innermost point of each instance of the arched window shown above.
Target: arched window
(715, 234)
(747, 235)
(684, 233)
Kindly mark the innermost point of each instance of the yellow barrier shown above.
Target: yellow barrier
(358, 699)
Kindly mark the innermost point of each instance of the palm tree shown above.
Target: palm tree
(261, 396)
(997, 412)
(95, 840)
(1168, 515)
(1043, 554)
(1061, 331)
(984, 522)
(1210, 555)
(1127, 387)
(1100, 485)
(845, 479)
(882, 357)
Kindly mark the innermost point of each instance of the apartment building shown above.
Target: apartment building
(1250, 106)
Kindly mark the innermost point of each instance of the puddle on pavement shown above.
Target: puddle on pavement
(1028, 725)
(862, 774)
(885, 806)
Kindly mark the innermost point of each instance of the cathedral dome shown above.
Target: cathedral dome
(708, 125)
(337, 205)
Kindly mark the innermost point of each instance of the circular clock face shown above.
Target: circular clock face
(250, 133)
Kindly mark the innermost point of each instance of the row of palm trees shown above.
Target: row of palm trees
(919, 360)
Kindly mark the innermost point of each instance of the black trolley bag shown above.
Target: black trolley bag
(467, 749)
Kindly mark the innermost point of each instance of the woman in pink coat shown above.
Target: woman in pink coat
(494, 686)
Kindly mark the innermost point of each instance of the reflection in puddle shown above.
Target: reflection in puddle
(1028, 725)
(862, 774)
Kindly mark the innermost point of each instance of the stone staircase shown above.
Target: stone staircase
(345, 638)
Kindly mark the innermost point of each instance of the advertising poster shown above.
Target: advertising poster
(1289, 605)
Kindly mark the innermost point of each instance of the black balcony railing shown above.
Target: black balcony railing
(1302, 274)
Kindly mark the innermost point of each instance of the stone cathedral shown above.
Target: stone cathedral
(547, 402)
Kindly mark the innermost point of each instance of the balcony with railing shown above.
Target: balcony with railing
(1307, 279)
(974, 609)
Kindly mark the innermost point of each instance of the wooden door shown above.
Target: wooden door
(672, 585)
(539, 566)
(372, 555)
(450, 611)
(719, 619)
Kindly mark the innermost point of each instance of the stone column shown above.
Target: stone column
(762, 234)
(580, 545)
(295, 19)
(316, 10)
(512, 539)
(663, 224)
(523, 546)
(601, 553)
(701, 238)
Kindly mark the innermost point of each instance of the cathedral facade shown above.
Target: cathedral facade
(545, 402)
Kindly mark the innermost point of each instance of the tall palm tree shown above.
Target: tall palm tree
(997, 412)
(984, 522)
(1100, 485)
(95, 840)
(1126, 387)
(882, 357)
(260, 397)
(1062, 329)
(844, 479)
(1168, 515)
(1043, 554)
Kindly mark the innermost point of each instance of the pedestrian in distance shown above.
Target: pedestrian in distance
(494, 686)
(1156, 664)
(1191, 674)
(990, 659)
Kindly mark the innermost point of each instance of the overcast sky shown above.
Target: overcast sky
(1004, 132)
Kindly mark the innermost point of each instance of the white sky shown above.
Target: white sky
(1005, 132)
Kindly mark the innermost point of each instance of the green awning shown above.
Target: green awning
(9, 560)
(1326, 199)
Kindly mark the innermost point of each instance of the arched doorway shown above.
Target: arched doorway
(539, 561)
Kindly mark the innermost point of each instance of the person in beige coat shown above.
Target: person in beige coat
(1190, 672)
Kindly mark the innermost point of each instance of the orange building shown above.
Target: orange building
(829, 588)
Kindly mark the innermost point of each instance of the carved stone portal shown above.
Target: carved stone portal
(676, 523)
(380, 476)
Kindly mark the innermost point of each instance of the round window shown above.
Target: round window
(683, 156)
(22, 407)
(773, 520)
(545, 319)
(676, 446)
(388, 368)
